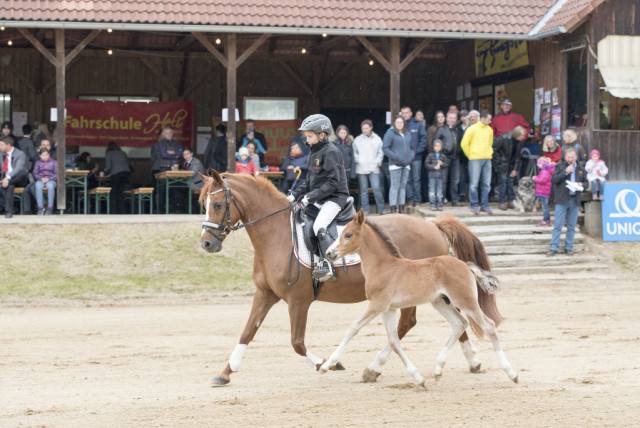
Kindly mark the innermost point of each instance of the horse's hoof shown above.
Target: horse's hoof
(337, 366)
(220, 380)
(476, 369)
(369, 376)
(437, 376)
(515, 379)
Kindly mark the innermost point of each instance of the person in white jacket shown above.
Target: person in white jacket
(368, 155)
(596, 173)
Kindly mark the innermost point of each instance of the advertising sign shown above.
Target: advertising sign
(496, 56)
(621, 212)
(95, 123)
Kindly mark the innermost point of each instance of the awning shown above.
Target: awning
(619, 64)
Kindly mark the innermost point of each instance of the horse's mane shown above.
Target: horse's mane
(260, 182)
(395, 252)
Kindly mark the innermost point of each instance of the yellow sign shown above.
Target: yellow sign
(496, 56)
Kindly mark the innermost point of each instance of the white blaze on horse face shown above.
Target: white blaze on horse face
(332, 248)
(236, 357)
(206, 213)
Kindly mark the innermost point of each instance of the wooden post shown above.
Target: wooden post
(231, 101)
(61, 151)
(394, 78)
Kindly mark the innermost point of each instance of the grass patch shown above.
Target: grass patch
(626, 255)
(78, 261)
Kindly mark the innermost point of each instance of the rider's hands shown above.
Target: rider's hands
(305, 201)
(290, 198)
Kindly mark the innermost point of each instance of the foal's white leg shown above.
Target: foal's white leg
(372, 372)
(369, 314)
(458, 325)
(488, 326)
(389, 319)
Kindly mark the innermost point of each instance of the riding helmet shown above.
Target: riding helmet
(316, 123)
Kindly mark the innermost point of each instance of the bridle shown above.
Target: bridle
(230, 227)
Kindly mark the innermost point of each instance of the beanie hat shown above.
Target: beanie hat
(594, 152)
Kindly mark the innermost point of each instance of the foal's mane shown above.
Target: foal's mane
(395, 252)
(265, 186)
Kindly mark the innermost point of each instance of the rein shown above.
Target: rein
(229, 227)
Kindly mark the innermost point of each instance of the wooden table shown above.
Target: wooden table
(77, 179)
(275, 176)
(175, 179)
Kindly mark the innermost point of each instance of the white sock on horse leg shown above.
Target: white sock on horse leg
(312, 360)
(236, 357)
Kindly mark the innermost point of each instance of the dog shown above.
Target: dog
(526, 195)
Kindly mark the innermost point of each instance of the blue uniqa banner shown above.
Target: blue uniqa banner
(621, 212)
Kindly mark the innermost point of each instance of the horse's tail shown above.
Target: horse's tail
(468, 248)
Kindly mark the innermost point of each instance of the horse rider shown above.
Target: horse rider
(326, 185)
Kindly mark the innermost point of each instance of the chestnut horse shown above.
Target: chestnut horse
(234, 201)
(393, 282)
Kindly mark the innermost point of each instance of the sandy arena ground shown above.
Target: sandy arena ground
(149, 363)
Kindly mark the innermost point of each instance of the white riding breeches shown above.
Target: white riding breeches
(328, 211)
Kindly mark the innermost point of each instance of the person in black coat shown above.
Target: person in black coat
(215, 155)
(569, 178)
(326, 185)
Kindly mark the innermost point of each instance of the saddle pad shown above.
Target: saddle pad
(303, 254)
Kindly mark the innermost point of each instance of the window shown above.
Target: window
(617, 113)
(270, 108)
(5, 106)
(124, 98)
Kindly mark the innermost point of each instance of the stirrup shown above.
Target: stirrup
(323, 271)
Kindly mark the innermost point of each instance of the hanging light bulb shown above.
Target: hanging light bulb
(218, 41)
(304, 51)
(324, 34)
(110, 52)
(10, 43)
(371, 62)
(109, 30)
(2, 28)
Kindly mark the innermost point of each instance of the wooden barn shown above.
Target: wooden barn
(350, 60)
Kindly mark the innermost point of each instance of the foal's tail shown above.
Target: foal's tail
(468, 248)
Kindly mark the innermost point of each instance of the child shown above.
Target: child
(251, 146)
(325, 186)
(596, 171)
(437, 164)
(45, 172)
(543, 188)
(295, 162)
(244, 165)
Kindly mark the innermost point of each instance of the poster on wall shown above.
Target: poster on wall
(554, 96)
(538, 99)
(500, 94)
(556, 122)
(547, 97)
(545, 120)
(459, 93)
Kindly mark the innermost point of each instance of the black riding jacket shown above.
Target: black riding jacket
(327, 179)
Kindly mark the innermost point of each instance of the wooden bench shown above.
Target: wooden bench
(139, 196)
(98, 195)
(18, 195)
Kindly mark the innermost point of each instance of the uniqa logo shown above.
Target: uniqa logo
(623, 208)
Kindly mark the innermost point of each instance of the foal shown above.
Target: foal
(393, 282)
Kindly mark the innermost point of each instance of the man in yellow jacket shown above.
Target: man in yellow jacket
(477, 144)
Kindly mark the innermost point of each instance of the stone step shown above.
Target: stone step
(511, 230)
(540, 248)
(523, 239)
(540, 274)
(531, 260)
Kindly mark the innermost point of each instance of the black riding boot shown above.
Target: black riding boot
(324, 270)
(394, 209)
(401, 209)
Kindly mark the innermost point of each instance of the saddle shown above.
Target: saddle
(305, 217)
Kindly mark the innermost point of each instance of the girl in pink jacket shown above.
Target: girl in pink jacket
(543, 188)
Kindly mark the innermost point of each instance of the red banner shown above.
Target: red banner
(95, 123)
